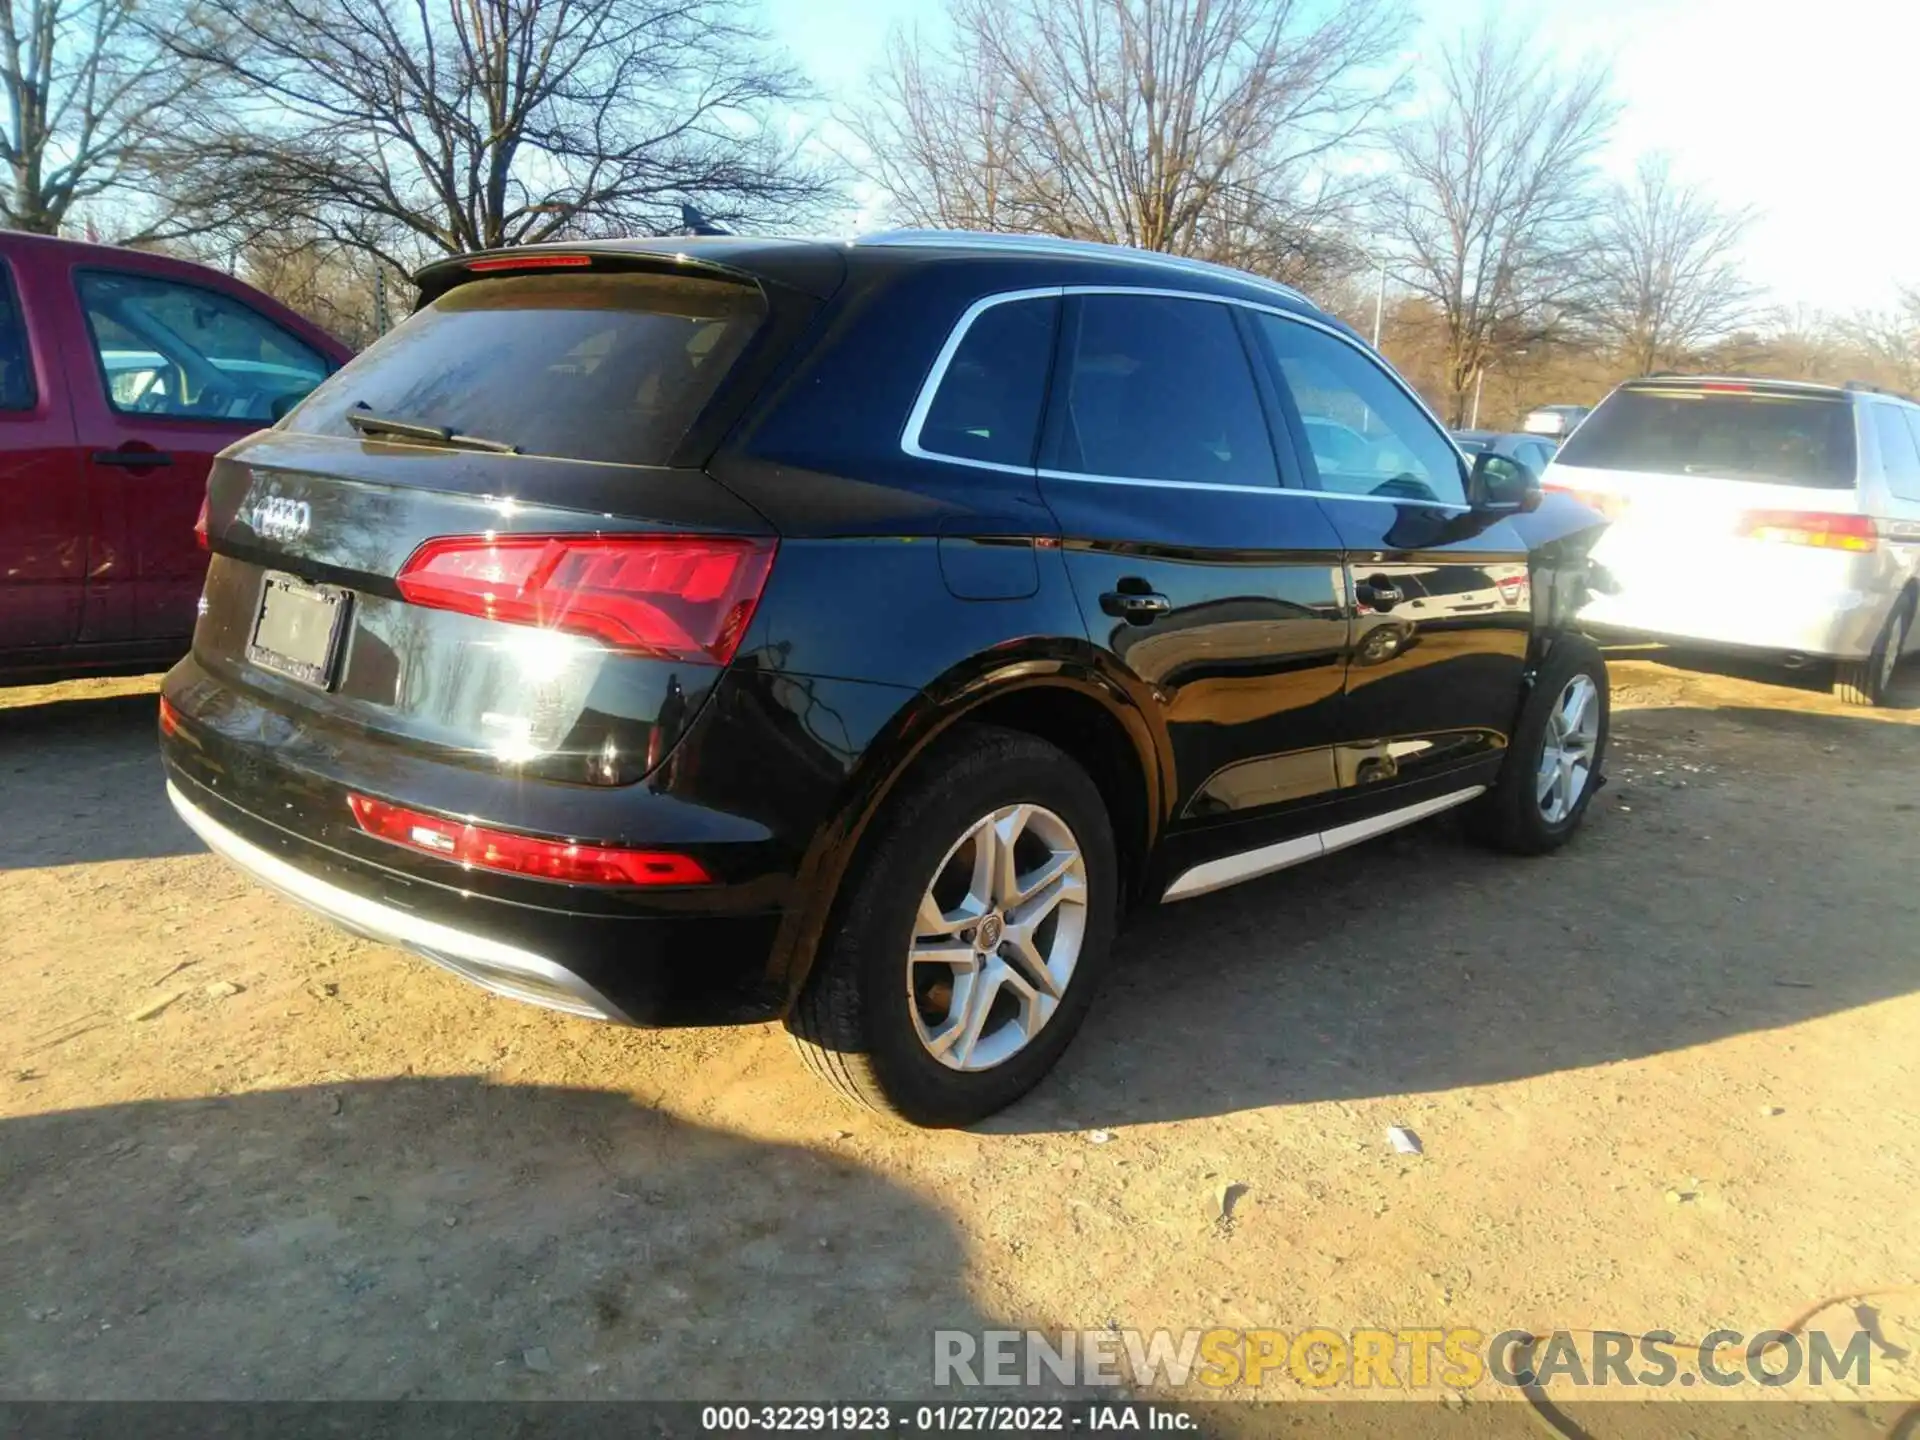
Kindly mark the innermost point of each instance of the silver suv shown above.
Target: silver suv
(1764, 516)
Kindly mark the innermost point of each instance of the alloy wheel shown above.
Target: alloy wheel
(1567, 750)
(996, 937)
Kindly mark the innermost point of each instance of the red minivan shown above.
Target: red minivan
(121, 376)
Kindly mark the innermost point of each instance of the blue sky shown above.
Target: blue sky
(1810, 114)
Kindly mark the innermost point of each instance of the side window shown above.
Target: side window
(1537, 455)
(988, 404)
(1911, 489)
(17, 391)
(1898, 458)
(1151, 388)
(1366, 436)
(166, 348)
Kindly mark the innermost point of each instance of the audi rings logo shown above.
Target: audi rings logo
(279, 518)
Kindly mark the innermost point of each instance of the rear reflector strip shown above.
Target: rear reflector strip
(1799, 527)
(678, 597)
(200, 526)
(169, 717)
(514, 854)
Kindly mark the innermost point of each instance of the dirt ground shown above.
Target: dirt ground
(1667, 1079)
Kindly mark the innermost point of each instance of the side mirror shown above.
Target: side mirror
(1501, 485)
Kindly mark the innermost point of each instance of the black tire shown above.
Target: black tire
(1509, 817)
(853, 1022)
(1866, 682)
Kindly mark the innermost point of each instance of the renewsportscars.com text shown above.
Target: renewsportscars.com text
(1410, 1359)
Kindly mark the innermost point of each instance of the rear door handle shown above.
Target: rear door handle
(1379, 594)
(132, 459)
(1135, 609)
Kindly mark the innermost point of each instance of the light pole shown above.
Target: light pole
(1379, 303)
(1479, 383)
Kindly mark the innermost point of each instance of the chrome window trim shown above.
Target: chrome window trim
(923, 402)
(930, 387)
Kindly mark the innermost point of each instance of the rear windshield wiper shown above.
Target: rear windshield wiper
(377, 426)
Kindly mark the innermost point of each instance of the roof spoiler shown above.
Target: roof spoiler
(435, 279)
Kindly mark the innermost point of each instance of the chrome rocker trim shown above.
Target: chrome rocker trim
(503, 969)
(1232, 869)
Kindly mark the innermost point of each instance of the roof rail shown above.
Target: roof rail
(1086, 249)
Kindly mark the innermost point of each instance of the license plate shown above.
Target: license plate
(298, 629)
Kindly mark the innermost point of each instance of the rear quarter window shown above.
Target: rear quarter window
(585, 367)
(987, 406)
(17, 390)
(1771, 437)
(1899, 461)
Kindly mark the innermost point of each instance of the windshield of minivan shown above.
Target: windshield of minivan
(1776, 438)
(587, 367)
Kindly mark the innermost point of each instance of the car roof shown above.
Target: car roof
(1765, 385)
(817, 266)
(1201, 274)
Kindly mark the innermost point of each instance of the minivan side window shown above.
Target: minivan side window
(1365, 435)
(1898, 456)
(177, 350)
(1149, 387)
(988, 405)
(17, 390)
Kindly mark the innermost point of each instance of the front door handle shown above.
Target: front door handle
(1135, 609)
(132, 459)
(1379, 593)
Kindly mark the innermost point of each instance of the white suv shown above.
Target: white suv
(1766, 516)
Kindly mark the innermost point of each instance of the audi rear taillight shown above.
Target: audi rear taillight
(200, 526)
(1802, 527)
(516, 854)
(678, 597)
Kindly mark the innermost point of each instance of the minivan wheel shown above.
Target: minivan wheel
(969, 940)
(1866, 682)
(1553, 762)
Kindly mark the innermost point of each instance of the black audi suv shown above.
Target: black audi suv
(851, 633)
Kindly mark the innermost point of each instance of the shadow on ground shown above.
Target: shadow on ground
(449, 1238)
(1813, 678)
(100, 758)
(1420, 963)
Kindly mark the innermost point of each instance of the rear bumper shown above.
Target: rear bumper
(748, 792)
(504, 969)
(655, 968)
(1810, 603)
(1843, 629)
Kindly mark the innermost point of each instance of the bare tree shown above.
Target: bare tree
(1198, 127)
(89, 89)
(1889, 341)
(408, 128)
(1666, 278)
(1494, 197)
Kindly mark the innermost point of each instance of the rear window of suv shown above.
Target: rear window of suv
(585, 367)
(1769, 436)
